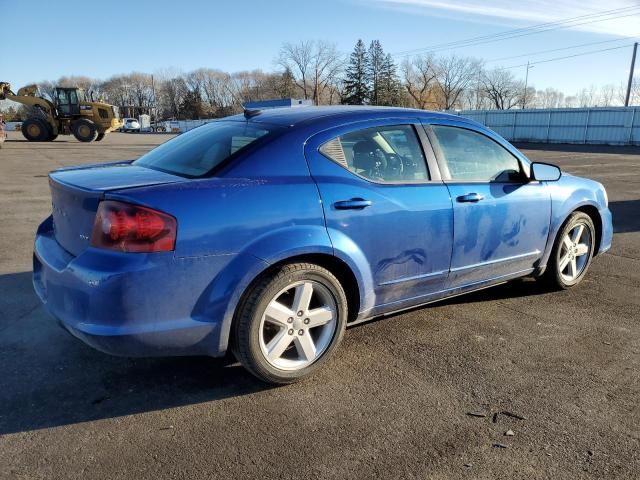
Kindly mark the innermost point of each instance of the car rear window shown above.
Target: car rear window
(197, 152)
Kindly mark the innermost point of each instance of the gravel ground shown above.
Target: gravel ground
(394, 402)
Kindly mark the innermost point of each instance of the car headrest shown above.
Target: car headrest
(364, 154)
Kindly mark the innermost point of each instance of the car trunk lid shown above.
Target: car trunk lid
(76, 193)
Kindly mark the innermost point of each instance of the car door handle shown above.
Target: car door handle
(353, 204)
(470, 197)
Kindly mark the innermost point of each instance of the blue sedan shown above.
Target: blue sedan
(268, 233)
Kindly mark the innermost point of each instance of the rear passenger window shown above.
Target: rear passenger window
(387, 154)
(470, 156)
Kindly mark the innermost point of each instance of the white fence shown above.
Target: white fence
(609, 126)
(181, 126)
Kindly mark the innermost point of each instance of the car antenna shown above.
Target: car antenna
(250, 112)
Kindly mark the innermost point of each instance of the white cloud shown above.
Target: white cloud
(530, 12)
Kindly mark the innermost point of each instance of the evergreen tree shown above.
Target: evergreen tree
(286, 84)
(191, 106)
(375, 69)
(390, 85)
(356, 88)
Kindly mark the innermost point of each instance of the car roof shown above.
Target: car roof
(289, 116)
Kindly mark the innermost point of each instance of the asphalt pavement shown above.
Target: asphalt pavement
(559, 370)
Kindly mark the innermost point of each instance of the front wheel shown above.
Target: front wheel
(35, 129)
(84, 130)
(572, 252)
(290, 323)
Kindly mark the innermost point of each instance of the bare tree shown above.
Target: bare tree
(570, 101)
(501, 87)
(313, 64)
(217, 91)
(453, 75)
(419, 76)
(117, 90)
(141, 90)
(549, 98)
(588, 97)
(297, 58)
(47, 89)
(634, 97)
(173, 90)
(335, 90)
(195, 81)
(607, 95)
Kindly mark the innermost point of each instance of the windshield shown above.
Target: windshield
(198, 151)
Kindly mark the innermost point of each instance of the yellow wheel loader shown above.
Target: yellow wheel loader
(70, 113)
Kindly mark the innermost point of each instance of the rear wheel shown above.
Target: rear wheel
(572, 252)
(84, 130)
(35, 129)
(100, 137)
(290, 323)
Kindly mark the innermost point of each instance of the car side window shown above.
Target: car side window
(471, 156)
(385, 154)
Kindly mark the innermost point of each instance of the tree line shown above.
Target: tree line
(317, 71)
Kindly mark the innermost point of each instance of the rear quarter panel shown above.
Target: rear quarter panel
(259, 210)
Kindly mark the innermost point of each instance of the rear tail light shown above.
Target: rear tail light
(132, 228)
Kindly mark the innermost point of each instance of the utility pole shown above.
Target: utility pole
(155, 104)
(631, 70)
(478, 90)
(526, 82)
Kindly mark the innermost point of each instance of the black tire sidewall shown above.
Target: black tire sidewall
(572, 221)
(93, 129)
(44, 129)
(249, 322)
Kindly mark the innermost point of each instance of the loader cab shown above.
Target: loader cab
(68, 101)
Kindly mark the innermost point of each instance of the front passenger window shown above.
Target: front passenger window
(471, 156)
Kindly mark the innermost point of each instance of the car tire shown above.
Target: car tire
(309, 322)
(100, 137)
(84, 130)
(35, 129)
(572, 252)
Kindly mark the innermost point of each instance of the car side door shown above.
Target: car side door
(501, 218)
(384, 202)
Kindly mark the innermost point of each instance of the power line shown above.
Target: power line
(557, 49)
(531, 29)
(534, 29)
(565, 57)
(520, 35)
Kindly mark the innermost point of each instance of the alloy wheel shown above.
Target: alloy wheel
(298, 325)
(574, 252)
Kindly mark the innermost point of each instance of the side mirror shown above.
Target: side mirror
(544, 172)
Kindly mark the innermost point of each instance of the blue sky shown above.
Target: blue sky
(153, 36)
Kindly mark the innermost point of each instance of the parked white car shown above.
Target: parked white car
(131, 125)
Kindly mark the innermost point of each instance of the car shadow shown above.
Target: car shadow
(626, 216)
(522, 287)
(48, 378)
